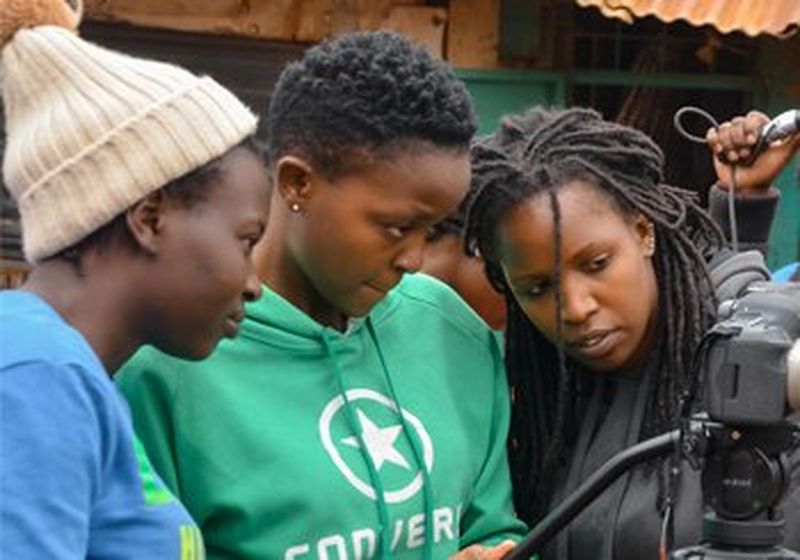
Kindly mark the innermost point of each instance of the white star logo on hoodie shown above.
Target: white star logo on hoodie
(379, 442)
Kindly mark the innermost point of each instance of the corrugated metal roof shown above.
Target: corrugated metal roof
(753, 17)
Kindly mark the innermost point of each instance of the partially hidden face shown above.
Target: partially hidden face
(360, 232)
(445, 259)
(207, 272)
(608, 283)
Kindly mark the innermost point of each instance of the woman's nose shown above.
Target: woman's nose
(579, 302)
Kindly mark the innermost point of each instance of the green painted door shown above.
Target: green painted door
(499, 92)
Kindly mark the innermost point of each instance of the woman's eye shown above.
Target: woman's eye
(431, 233)
(535, 290)
(599, 263)
(249, 242)
(396, 232)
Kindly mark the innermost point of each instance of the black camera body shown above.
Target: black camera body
(751, 368)
(753, 361)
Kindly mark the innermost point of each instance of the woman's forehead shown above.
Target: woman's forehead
(572, 200)
(410, 180)
(587, 215)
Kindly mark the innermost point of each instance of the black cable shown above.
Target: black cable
(590, 488)
(701, 140)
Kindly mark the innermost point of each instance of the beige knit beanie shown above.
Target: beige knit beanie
(91, 131)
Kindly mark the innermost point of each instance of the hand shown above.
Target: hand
(478, 552)
(735, 140)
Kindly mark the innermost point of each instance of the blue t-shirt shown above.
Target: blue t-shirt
(788, 272)
(74, 480)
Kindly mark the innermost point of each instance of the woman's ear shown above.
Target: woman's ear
(294, 177)
(145, 221)
(646, 233)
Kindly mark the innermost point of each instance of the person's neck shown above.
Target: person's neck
(279, 271)
(93, 303)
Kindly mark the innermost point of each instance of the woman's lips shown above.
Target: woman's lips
(230, 328)
(596, 344)
(380, 288)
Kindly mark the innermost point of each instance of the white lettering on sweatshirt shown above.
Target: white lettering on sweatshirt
(361, 544)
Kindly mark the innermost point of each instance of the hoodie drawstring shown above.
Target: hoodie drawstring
(419, 457)
(383, 513)
(427, 488)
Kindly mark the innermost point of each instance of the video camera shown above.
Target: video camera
(750, 364)
(753, 364)
(752, 377)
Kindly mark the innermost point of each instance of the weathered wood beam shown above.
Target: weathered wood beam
(473, 33)
(288, 20)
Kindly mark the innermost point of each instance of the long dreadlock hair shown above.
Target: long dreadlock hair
(535, 154)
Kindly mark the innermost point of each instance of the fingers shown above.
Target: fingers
(474, 552)
(734, 140)
(478, 552)
(500, 550)
(755, 121)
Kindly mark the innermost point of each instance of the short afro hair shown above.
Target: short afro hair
(373, 91)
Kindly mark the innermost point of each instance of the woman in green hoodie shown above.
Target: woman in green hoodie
(363, 410)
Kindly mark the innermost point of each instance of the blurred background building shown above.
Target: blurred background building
(636, 61)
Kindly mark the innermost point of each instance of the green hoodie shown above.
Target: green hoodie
(265, 441)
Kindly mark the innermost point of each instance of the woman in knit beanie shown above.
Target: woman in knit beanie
(141, 197)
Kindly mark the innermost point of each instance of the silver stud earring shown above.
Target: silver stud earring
(295, 207)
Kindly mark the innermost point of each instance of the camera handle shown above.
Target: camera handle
(592, 487)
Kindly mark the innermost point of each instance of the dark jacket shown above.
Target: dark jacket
(623, 522)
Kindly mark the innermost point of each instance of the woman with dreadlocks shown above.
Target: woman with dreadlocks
(604, 272)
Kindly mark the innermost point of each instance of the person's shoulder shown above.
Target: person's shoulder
(428, 291)
(732, 272)
(48, 363)
(150, 362)
(33, 332)
(428, 299)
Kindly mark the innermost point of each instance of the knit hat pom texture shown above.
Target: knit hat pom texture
(21, 14)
